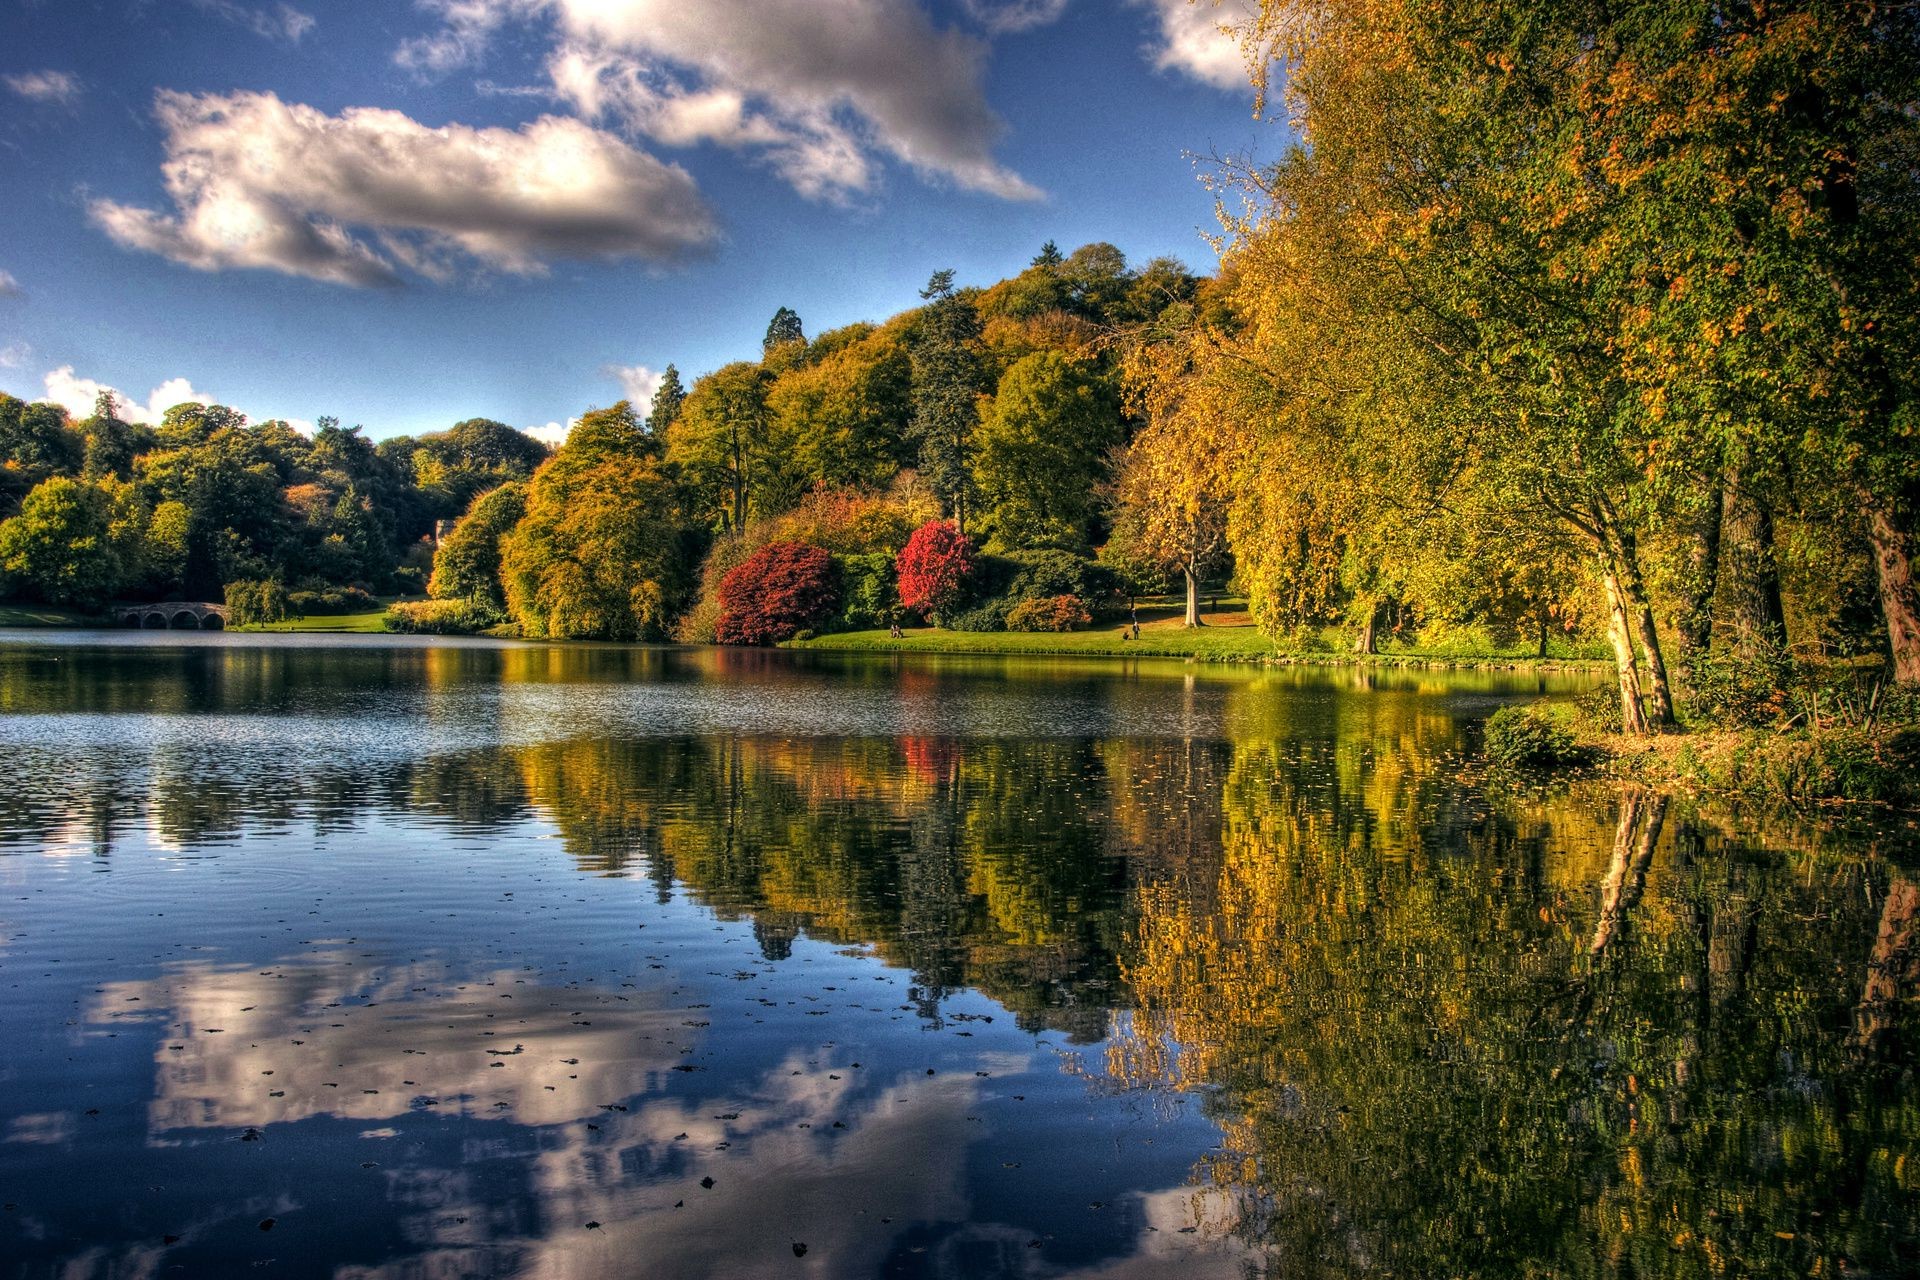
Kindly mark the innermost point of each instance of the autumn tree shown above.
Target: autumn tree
(724, 445)
(775, 593)
(845, 412)
(466, 565)
(601, 552)
(934, 568)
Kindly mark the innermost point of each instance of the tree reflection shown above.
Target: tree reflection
(1497, 1058)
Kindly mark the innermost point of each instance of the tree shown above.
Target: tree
(723, 443)
(466, 565)
(60, 547)
(782, 329)
(35, 443)
(845, 413)
(933, 568)
(1176, 479)
(775, 593)
(601, 552)
(1042, 450)
(668, 398)
(111, 442)
(946, 392)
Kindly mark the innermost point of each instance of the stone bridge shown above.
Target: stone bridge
(175, 615)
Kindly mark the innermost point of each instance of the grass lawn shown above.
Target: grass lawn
(40, 615)
(1228, 636)
(355, 622)
(1159, 640)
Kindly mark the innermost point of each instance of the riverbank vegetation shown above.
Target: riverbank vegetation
(1602, 336)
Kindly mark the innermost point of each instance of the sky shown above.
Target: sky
(404, 213)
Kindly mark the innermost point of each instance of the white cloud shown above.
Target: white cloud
(44, 86)
(269, 21)
(817, 86)
(77, 394)
(1006, 17)
(9, 287)
(257, 182)
(553, 433)
(14, 354)
(468, 26)
(1193, 39)
(637, 385)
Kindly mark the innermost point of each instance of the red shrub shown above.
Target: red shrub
(933, 568)
(774, 593)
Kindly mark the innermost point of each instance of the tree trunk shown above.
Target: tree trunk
(1749, 572)
(1541, 618)
(1640, 612)
(1633, 717)
(1193, 595)
(1365, 642)
(1693, 622)
(1899, 597)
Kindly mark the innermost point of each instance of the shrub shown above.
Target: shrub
(775, 592)
(442, 617)
(1529, 737)
(259, 601)
(1599, 709)
(867, 594)
(1040, 575)
(331, 602)
(991, 616)
(934, 568)
(1742, 687)
(1051, 613)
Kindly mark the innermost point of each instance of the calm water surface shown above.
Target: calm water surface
(358, 957)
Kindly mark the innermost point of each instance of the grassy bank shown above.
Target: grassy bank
(1873, 765)
(40, 615)
(1226, 641)
(345, 622)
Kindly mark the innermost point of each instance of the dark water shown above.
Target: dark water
(369, 957)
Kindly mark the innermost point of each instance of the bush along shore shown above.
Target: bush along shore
(1821, 735)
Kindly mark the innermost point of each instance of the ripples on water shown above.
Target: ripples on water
(382, 957)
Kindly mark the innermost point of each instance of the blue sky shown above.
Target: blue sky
(404, 214)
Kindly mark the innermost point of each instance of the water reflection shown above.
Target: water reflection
(457, 959)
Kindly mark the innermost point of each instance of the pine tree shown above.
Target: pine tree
(667, 401)
(947, 382)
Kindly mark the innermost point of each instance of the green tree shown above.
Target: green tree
(35, 443)
(947, 384)
(1042, 453)
(61, 548)
(844, 413)
(724, 444)
(668, 398)
(467, 564)
(784, 328)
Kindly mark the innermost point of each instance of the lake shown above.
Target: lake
(370, 956)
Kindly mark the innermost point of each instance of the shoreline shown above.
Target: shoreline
(1213, 645)
(1242, 645)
